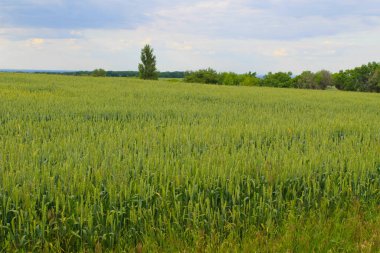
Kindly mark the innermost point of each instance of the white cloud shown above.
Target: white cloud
(181, 46)
(37, 41)
(228, 35)
(281, 52)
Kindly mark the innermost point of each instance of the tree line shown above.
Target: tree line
(146, 69)
(306, 80)
(363, 78)
(104, 73)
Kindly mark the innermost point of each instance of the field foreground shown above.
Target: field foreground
(101, 164)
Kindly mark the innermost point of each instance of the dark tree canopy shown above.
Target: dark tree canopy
(306, 80)
(324, 79)
(363, 78)
(99, 72)
(374, 81)
(147, 67)
(208, 76)
(279, 79)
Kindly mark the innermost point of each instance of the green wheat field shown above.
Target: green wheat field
(123, 165)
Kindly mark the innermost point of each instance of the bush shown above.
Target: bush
(374, 81)
(229, 78)
(307, 80)
(279, 79)
(208, 76)
(250, 79)
(361, 78)
(99, 73)
(324, 79)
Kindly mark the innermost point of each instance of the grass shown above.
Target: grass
(116, 164)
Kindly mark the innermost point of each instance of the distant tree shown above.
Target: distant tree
(306, 80)
(279, 79)
(173, 74)
(123, 73)
(208, 76)
(147, 67)
(341, 80)
(229, 78)
(357, 79)
(250, 79)
(324, 79)
(99, 73)
(374, 81)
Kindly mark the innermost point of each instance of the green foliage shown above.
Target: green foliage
(307, 80)
(323, 79)
(364, 78)
(341, 80)
(279, 79)
(374, 80)
(167, 74)
(210, 169)
(208, 76)
(249, 79)
(229, 78)
(122, 73)
(99, 73)
(358, 79)
(147, 67)
(172, 74)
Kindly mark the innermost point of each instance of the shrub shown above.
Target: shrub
(208, 76)
(99, 73)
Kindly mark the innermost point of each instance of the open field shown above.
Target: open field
(113, 164)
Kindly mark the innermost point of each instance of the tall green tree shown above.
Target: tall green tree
(374, 81)
(306, 80)
(324, 79)
(147, 67)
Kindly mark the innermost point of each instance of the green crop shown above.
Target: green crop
(117, 164)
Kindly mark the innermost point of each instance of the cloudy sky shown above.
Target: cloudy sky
(228, 35)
